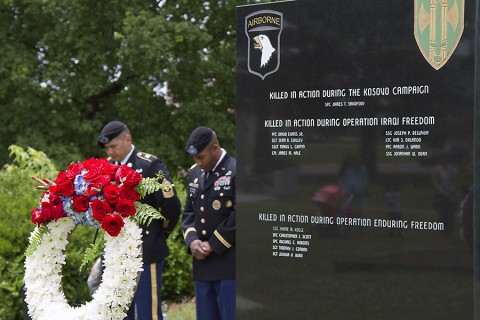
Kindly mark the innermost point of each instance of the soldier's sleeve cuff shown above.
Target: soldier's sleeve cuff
(189, 235)
(219, 243)
(188, 232)
(222, 239)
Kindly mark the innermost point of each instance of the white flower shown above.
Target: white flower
(43, 275)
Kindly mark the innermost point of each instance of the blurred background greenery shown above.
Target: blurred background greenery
(69, 67)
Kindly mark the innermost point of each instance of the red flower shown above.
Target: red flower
(100, 209)
(103, 180)
(80, 203)
(91, 163)
(108, 168)
(111, 193)
(61, 177)
(113, 224)
(128, 193)
(91, 174)
(132, 179)
(93, 189)
(47, 212)
(54, 189)
(58, 212)
(38, 217)
(74, 169)
(66, 188)
(126, 208)
(50, 210)
(121, 172)
(127, 176)
(54, 199)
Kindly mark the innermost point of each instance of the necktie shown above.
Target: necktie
(207, 174)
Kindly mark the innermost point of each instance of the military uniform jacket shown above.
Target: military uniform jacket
(209, 215)
(155, 247)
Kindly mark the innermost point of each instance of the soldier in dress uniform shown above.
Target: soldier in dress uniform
(116, 139)
(208, 223)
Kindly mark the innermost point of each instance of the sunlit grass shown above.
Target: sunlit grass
(184, 310)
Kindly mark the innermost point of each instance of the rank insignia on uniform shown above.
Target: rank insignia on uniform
(192, 150)
(216, 205)
(167, 191)
(229, 204)
(144, 156)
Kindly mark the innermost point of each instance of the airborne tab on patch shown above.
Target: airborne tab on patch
(263, 29)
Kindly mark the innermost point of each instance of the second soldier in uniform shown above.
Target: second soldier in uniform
(208, 224)
(117, 141)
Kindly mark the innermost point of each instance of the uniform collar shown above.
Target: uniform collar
(124, 161)
(219, 160)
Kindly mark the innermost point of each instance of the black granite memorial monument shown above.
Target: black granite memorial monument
(356, 148)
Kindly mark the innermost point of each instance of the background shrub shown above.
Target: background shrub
(17, 199)
(177, 274)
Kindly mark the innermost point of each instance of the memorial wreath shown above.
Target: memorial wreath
(105, 196)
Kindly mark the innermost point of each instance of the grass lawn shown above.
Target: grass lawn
(184, 310)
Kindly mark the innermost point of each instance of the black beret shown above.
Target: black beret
(198, 140)
(111, 131)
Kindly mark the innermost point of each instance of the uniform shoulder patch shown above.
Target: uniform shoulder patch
(167, 191)
(145, 156)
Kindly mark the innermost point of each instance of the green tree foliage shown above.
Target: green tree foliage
(69, 67)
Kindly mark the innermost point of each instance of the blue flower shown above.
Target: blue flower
(80, 183)
(89, 218)
(76, 217)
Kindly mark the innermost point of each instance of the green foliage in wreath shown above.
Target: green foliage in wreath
(150, 185)
(37, 239)
(92, 252)
(146, 213)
